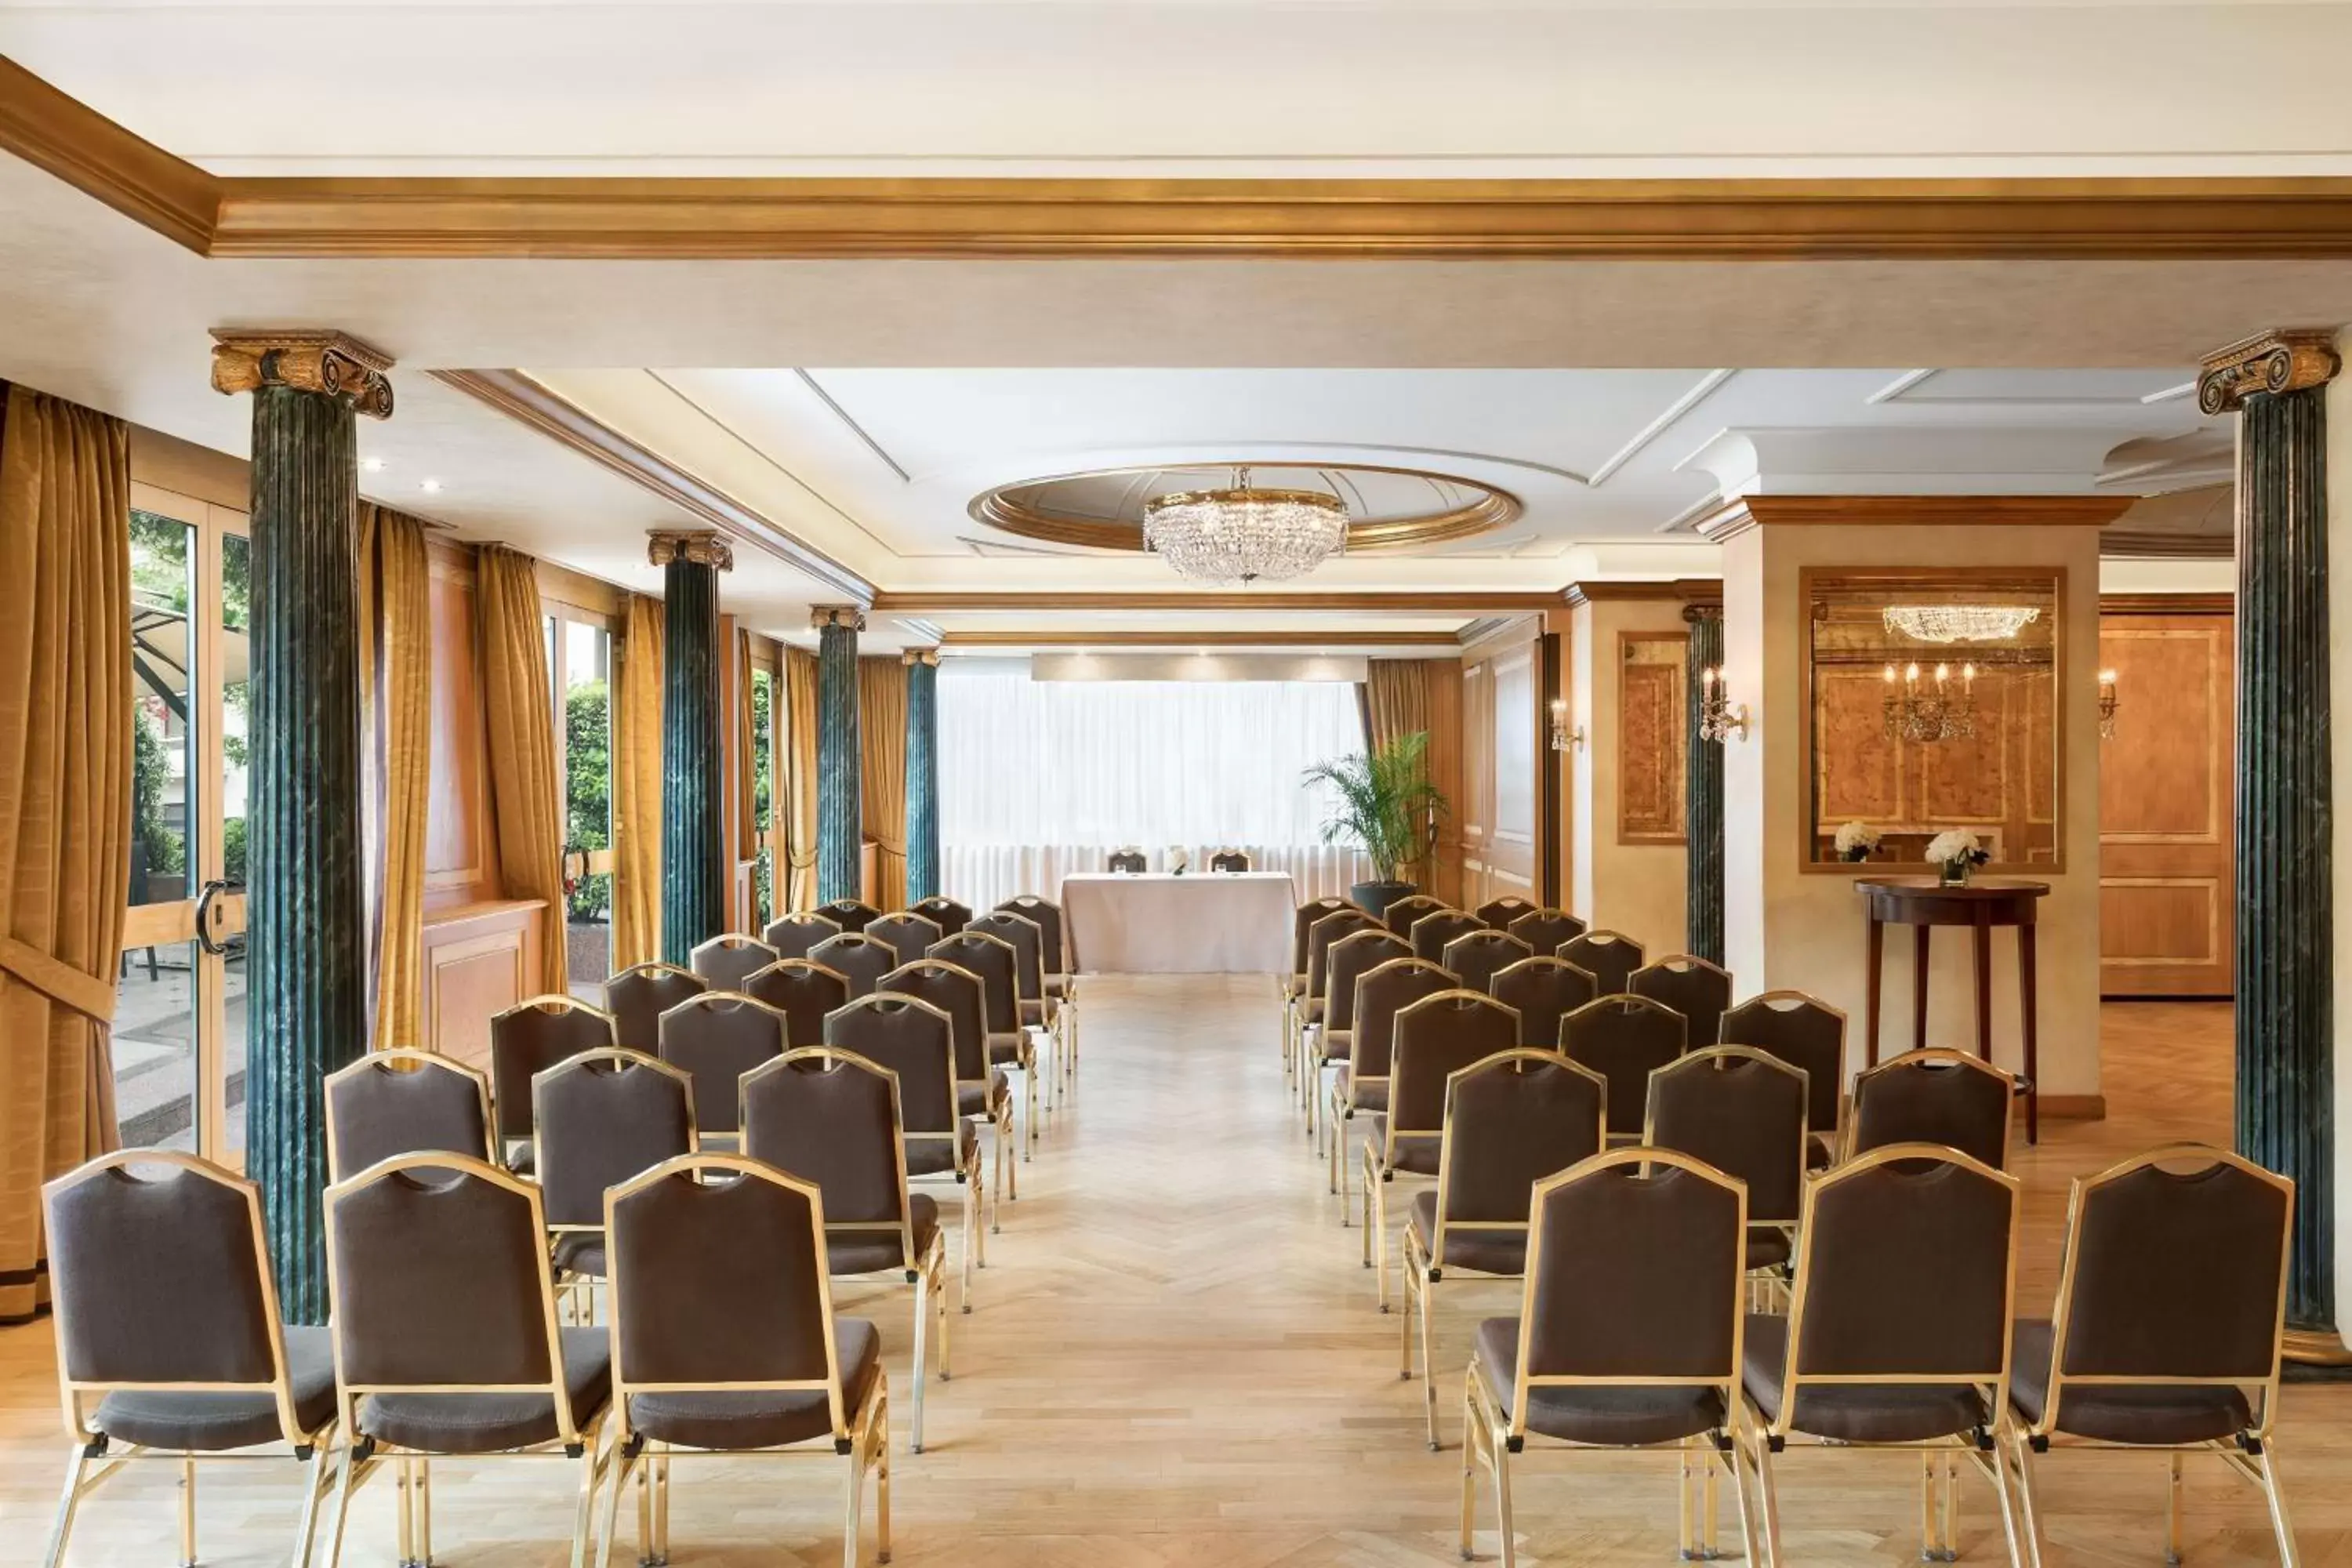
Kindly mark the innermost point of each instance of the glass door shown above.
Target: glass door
(180, 1025)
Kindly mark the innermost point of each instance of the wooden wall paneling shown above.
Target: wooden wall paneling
(479, 959)
(460, 831)
(1651, 738)
(2167, 878)
(1514, 841)
(1477, 804)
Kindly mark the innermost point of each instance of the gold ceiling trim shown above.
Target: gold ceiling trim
(1001, 508)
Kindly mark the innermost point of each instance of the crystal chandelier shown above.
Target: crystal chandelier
(1959, 623)
(1914, 710)
(1244, 534)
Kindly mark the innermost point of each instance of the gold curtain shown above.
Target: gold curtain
(396, 676)
(747, 826)
(526, 797)
(65, 804)
(1400, 696)
(638, 787)
(798, 754)
(882, 771)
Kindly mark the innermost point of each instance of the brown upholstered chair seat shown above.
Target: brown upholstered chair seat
(762, 1418)
(929, 1156)
(1004, 1046)
(1033, 1012)
(1416, 1156)
(865, 1251)
(1372, 1095)
(1336, 1045)
(1817, 1155)
(1315, 1009)
(1058, 987)
(581, 1252)
(1768, 1249)
(491, 1423)
(982, 1099)
(1599, 1414)
(211, 1423)
(2123, 1412)
(1856, 1413)
(1488, 1251)
(1298, 984)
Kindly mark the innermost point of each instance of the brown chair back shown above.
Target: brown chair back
(1436, 1038)
(962, 995)
(530, 1038)
(849, 914)
(804, 991)
(1543, 990)
(857, 958)
(1691, 986)
(913, 1039)
(640, 994)
(906, 933)
(1348, 960)
(1028, 944)
(601, 1118)
(714, 1039)
(1230, 860)
(1476, 957)
(404, 1102)
(1303, 921)
(1609, 957)
(1381, 994)
(1624, 1039)
(1337, 926)
(943, 912)
(1511, 1119)
(1433, 933)
(1127, 863)
(1806, 1033)
(998, 963)
(1498, 914)
(1743, 1113)
(1544, 930)
(729, 960)
(1400, 913)
(792, 935)
(1046, 916)
(1933, 1096)
(831, 1117)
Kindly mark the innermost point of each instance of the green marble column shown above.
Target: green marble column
(693, 790)
(1702, 792)
(840, 800)
(2285, 907)
(306, 915)
(922, 774)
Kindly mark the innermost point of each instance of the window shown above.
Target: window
(581, 667)
(763, 797)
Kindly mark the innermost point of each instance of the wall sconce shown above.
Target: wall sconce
(1564, 739)
(1718, 720)
(2108, 703)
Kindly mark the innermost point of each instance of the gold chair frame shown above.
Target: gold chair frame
(411, 1061)
(1061, 1012)
(1831, 1138)
(731, 941)
(1032, 1096)
(999, 1123)
(546, 1002)
(801, 918)
(708, 999)
(794, 965)
(1604, 936)
(1008, 1173)
(1940, 1058)
(1343, 1110)
(1320, 1060)
(1293, 985)
(650, 967)
(1767, 1288)
(1311, 1058)
(1624, 1002)
(578, 1292)
(90, 1447)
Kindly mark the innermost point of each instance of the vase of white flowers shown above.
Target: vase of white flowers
(1179, 858)
(1856, 841)
(1955, 854)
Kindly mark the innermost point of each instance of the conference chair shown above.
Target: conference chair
(1361, 1082)
(1608, 956)
(1629, 1335)
(451, 1243)
(598, 1118)
(1691, 986)
(792, 935)
(1809, 1035)
(1340, 924)
(1400, 913)
(1127, 863)
(1898, 1332)
(943, 912)
(1294, 987)
(983, 1093)
(727, 960)
(1542, 990)
(832, 1118)
(1743, 1113)
(1933, 1096)
(1432, 933)
(1510, 1121)
(641, 994)
(2167, 1333)
(404, 1102)
(724, 1341)
(857, 958)
(1624, 1039)
(804, 991)
(998, 965)
(906, 933)
(849, 914)
(1230, 860)
(1435, 1037)
(1545, 930)
(714, 1039)
(1028, 940)
(1476, 957)
(1345, 962)
(170, 1344)
(1498, 914)
(525, 1040)
(1061, 986)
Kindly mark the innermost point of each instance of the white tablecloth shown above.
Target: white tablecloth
(1205, 922)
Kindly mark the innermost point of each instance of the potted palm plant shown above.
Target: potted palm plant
(1387, 807)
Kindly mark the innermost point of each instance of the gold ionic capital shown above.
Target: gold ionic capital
(914, 656)
(696, 546)
(824, 615)
(2280, 359)
(333, 364)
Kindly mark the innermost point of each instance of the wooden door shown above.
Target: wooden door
(2167, 885)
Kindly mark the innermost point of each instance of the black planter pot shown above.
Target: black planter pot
(1374, 898)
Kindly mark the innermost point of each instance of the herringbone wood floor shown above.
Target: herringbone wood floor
(1175, 1360)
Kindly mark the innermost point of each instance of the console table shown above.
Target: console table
(1924, 902)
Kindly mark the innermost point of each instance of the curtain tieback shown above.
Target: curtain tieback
(58, 980)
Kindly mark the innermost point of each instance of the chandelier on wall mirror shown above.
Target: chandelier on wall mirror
(1932, 710)
(1246, 534)
(1959, 623)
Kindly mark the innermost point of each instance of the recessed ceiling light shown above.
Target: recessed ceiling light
(371, 465)
(430, 487)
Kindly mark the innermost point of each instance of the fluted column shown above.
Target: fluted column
(2286, 951)
(840, 801)
(694, 853)
(306, 918)
(922, 772)
(1702, 791)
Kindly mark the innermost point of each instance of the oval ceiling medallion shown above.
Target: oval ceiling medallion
(1387, 508)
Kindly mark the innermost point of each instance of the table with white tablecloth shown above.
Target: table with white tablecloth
(1203, 922)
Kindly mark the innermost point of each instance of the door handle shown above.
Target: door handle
(209, 912)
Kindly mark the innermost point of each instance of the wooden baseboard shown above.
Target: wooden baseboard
(2074, 1107)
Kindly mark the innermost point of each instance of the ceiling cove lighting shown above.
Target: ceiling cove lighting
(1246, 534)
(1959, 623)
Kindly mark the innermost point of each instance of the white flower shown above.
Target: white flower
(1178, 859)
(1853, 836)
(1953, 844)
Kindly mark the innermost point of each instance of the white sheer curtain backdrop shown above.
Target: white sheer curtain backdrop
(1039, 779)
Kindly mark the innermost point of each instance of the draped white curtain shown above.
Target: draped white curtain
(1039, 779)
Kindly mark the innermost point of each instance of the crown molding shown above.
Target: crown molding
(100, 159)
(1684, 590)
(1062, 637)
(2168, 604)
(1738, 515)
(1468, 601)
(2118, 546)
